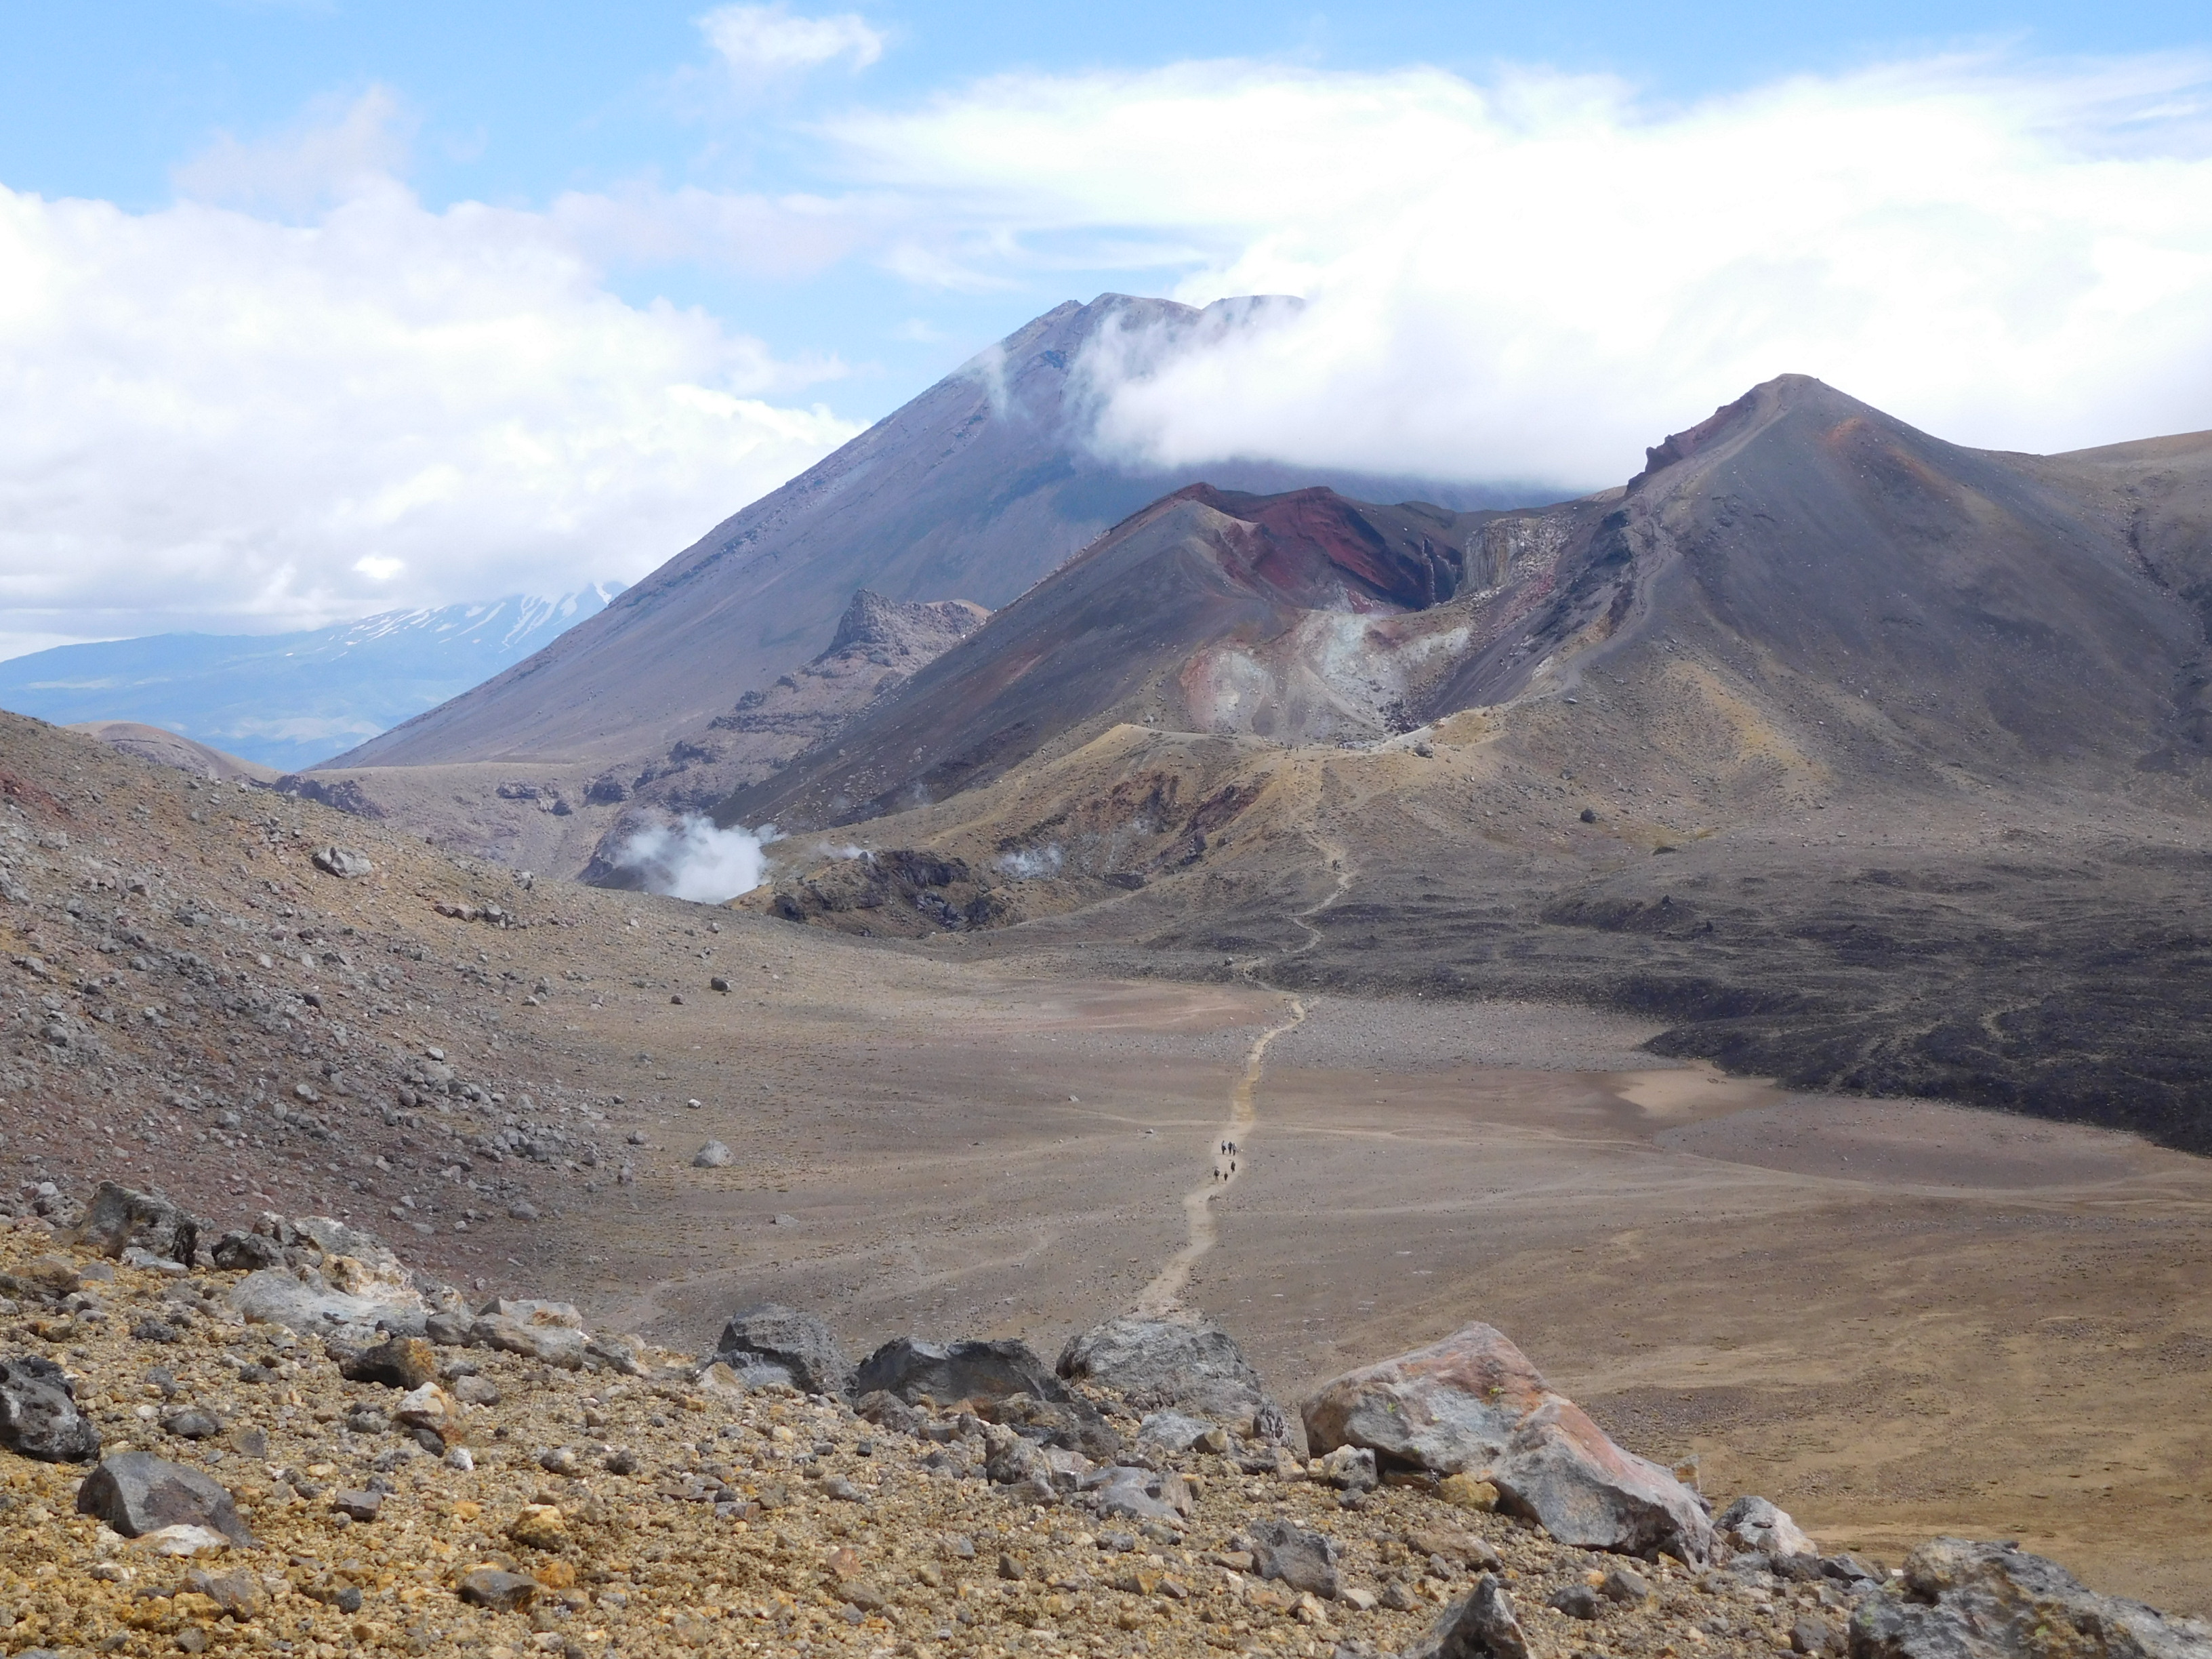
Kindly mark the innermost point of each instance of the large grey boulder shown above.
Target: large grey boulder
(1756, 1524)
(771, 1343)
(1473, 1404)
(39, 1416)
(954, 1371)
(1964, 1600)
(313, 1306)
(345, 862)
(135, 1492)
(1482, 1626)
(1181, 1361)
(120, 1219)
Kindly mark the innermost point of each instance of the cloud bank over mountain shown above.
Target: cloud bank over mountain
(1527, 278)
(300, 393)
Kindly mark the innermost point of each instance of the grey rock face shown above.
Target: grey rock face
(1472, 1403)
(1483, 1626)
(121, 1218)
(1182, 1360)
(1964, 1600)
(39, 1416)
(343, 862)
(1305, 1560)
(237, 1252)
(135, 1492)
(772, 1343)
(274, 1297)
(955, 1370)
(1122, 1492)
(712, 1156)
(1755, 1523)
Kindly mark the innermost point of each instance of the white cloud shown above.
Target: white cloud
(211, 419)
(338, 149)
(1534, 277)
(759, 43)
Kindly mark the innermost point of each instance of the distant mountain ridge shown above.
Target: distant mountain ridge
(288, 700)
(975, 489)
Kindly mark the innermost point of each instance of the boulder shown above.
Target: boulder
(343, 862)
(1473, 1404)
(313, 1307)
(121, 1218)
(1964, 1600)
(1122, 1492)
(554, 1343)
(771, 1343)
(237, 1252)
(1180, 1361)
(1305, 1560)
(39, 1416)
(1754, 1524)
(1482, 1626)
(955, 1371)
(397, 1362)
(712, 1156)
(1172, 1431)
(429, 1407)
(136, 1493)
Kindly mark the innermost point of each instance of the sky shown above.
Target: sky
(311, 308)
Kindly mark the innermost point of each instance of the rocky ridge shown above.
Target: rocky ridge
(187, 1470)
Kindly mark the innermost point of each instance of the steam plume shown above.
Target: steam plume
(694, 860)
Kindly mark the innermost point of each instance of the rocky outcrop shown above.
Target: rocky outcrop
(1180, 1362)
(771, 1343)
(956, 1371)
(1975, 1601)
(122, 1219)
(1473, 1405)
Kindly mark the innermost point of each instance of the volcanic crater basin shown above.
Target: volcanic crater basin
(1895, 1317)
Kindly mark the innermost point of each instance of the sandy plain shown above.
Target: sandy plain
(1896, 1318)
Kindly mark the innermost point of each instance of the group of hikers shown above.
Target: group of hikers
(1228, 1150)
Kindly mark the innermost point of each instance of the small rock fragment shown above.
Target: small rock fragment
(1621, 1585)
(502, 1592)
(193, 1423)
(1576, 1601)
(360, 1505)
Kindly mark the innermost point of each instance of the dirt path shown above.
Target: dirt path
(1225, 1162)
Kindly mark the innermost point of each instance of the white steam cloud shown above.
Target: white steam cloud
(694, 860)
(1534, 277)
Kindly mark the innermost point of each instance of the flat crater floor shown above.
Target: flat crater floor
(1896, 1318)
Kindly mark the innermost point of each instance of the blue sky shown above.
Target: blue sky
(311, 309)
